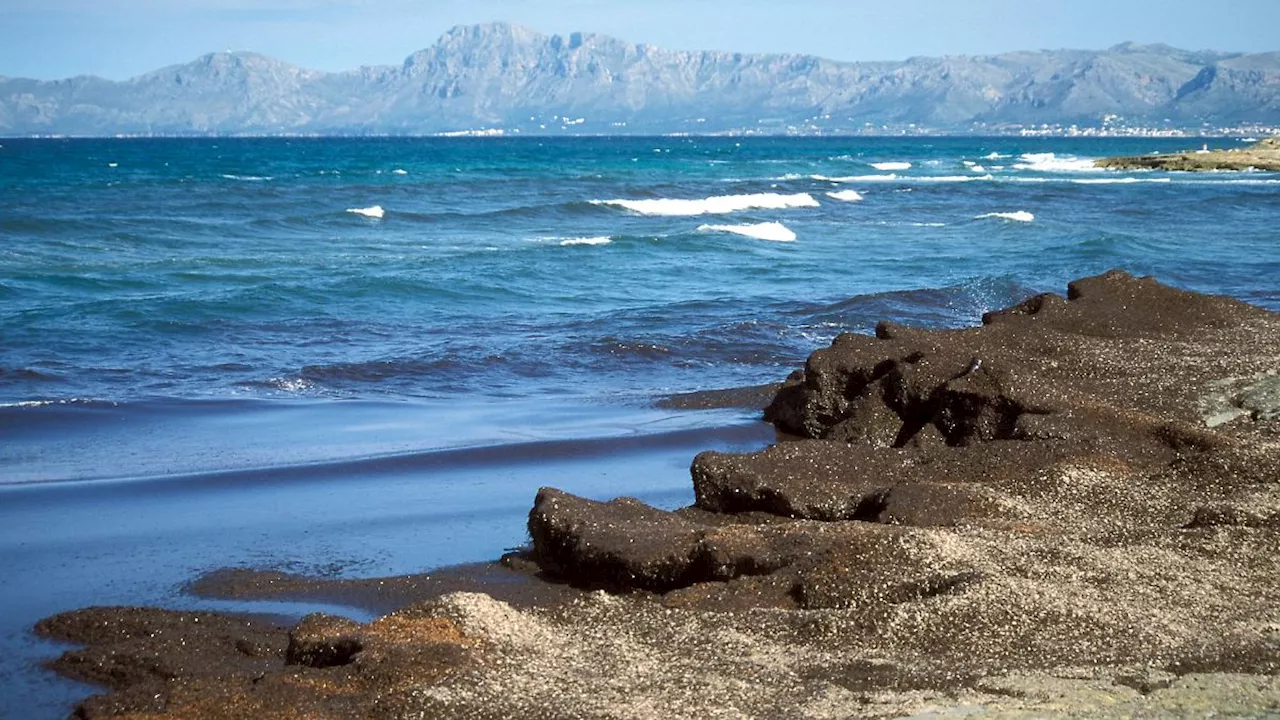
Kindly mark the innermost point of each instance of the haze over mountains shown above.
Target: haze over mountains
(501, 76)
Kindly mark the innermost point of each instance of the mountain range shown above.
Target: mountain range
(505, 77)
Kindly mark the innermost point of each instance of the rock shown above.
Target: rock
(1263, 155)
(322, 641)
(623, 543)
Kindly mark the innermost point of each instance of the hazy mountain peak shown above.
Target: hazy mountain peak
(502, 75)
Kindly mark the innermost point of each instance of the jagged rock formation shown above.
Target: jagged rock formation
(509, 77)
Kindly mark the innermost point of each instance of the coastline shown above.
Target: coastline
(1066, 532)
(1262, 156)
(141, 537)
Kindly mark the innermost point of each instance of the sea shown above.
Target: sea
(361, 357)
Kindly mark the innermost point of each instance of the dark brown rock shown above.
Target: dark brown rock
(322, 641)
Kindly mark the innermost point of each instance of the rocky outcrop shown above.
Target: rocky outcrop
(1265, 155)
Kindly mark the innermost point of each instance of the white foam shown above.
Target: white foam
(602, 240)
(718, 205)
(855, 178)
(977, 168)
(248, 178)
(775, 231)
(891, 165)
(1050, 162)
(398, 171)
(370, 212)
(893, 177)
(111, 165)
(1018, 215)
(951, 178)
(1118, 181)
(30, 403)
(846, 195)
(968, 163)
(993, 156)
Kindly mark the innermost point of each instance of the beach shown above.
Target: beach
(1021, 519)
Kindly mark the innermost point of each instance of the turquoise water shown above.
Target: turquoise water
(158, 270)
(208, 360)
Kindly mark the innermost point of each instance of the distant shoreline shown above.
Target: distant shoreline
(1154, 135)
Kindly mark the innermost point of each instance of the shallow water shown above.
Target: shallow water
(207, 359)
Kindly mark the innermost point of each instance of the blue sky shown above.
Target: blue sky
(121, 38)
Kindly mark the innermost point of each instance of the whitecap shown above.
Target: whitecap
(774, 231)
(855, 178)
(370, 212)
(111, 165)
(846, 195)
(1018, 215)
(1051, 162)
(891, 165)
(977, 168)
(952, 178)
(717, 205)
(601, 240)
(1118, 181)
(399, 171)
(993, 156)
(248, 178)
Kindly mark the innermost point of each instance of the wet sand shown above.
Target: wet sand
(143, 540)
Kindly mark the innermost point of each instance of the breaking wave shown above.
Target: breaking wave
(773, 231)
(718, 205)
(891, 165)
(1052, 162)
(370, 212)
(1018, 215)
(846, 195)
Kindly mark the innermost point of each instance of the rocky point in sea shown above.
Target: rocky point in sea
(1262, 155)
(1073, 509)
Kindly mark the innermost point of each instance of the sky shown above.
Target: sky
(118, 39)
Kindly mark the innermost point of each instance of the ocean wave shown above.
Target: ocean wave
(773, 231)
(994, 156)
(717, 205)
(1017, 215)
(893, 177)
(1118, 181)
(894, 165)
(600, 240)
(854, 178)
(375, 212)
(846, 195)
(248, 178)
(1052, 162)
(399, 171)
(951, 178)
(84, 402)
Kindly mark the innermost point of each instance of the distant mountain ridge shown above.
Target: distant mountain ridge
(507, 77)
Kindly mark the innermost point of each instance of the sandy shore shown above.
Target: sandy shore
(1073, 509)
(1263, 155)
